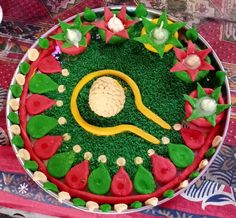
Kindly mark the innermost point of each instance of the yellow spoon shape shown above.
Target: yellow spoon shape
(108, 131)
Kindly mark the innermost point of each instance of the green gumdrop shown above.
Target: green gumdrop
(141, 11)
(194, 175)
(17, 141)
(210, 152)
(43, 43)
(24, 67)
(16, 90)
(78, 202)
(50, 186)
(169, 193)
(13, 117)
(99, 180)
(136, 204)
(31, 165)
(220, 77)
(144, 182)
(60, 164)
(41, 83)
(89, 14)
(180, 155)
(39, 125)
(192, 34)
(105, 207)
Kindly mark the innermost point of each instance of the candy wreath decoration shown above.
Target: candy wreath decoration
(113, 112)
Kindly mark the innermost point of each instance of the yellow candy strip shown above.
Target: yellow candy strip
(106, 131)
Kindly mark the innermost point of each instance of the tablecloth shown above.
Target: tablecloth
(213, 195)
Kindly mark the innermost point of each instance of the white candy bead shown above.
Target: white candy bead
(59, 103)
(121, 161)
(152, 201)
(88, 155)
(66, 137)
(165, 140)
(203, 164)
(92, 206)
(62, 120)
(216, 141)
(177, 127)
(15, 129)
(138, 160)
(102, 159)
(20, 79)
(151, 152)
(183, 184)
(39, 176)
(62, 196)
(23, 154)
(115, 24)
(119, 208)
(76, 148)
(33, 54)
(61, 88)
(65, 72)
(14, 104)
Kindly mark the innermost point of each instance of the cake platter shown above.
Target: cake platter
(202, 43)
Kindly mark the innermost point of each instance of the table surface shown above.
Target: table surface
(213, 195)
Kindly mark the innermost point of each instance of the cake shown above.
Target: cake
(116, 111)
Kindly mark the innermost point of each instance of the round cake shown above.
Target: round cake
(116, 110)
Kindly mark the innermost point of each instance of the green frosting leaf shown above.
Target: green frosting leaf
(180, 155)
(169, 193)
(64, 26)
(144, 182)
(194, 175)
(39, 125)
(220, 77)
(190, 99)
(99, 180)
(221, 107)
(174, 27)
(17, 141)
(148, 25)
(216, 93)
(16, 90)
(105, 207)
(200, 91)
(83, 42)
(13, 117)
(41, 83)
(67, 45)
(60, 164)
(163, 18)
(195, 114)
(50, 186)
(31, 165)
(141, 11)
(78, 202)
(192, 34)
(77, 21)
(59, 36)
(211, 119)
(24, 67)
(210, 152)
(136, 204)
(43, 43)
(86, 29)
(89, 15)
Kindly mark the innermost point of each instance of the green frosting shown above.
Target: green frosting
(192, 34)
(144, 182)
(39, 125)
(210, 152)
(220, 78)
(89, 14)
(43, 43)
(60, 164)
(141, 11)
(105, 207)
(16, 90)
(169, 193)
(136, 204)
(194, 175)
(13, 117)
(99, 180)
(17, 141)
(50, 186)
(78, 202)
(180, 155)
(41, 83)
(24, 67)
(31, 165)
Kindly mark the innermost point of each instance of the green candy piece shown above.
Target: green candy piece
(180, 155)
(136, 204)
(220, 77)
(210, 152)
(43, 43)
(78, 202)
(192, 34)
(169, 193)
(60, 164)
(141, 11)
(89, 14)
(13, 117)
(144, 182)
(105, 207)
(99, 180)
(24, 67)
(16, 90)
(17, 141)
(194, 175)
(50, 186)
(39, 125)
(41, 83)
(31, 165)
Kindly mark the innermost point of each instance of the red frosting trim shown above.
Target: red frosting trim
(49, 65)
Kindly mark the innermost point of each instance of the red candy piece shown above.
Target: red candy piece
(36, 104)
(77, 177)
(163, 169)
(47, 146)
(192, 138)
(121, 184)
(49, 65)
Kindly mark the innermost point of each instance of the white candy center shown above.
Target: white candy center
(192, 61)
(160, 35)
(115, 24)
(74, 36)
(208, 105)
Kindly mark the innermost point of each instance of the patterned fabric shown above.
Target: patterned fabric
(214, 195)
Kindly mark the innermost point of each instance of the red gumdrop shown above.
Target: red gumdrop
(49, 65)
(36, 104)
(121, 184)
(194, 139)
(163, 169)
(47, 146)
(77, 177)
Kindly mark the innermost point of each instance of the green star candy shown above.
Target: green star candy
(160, 34)
(206, 106)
